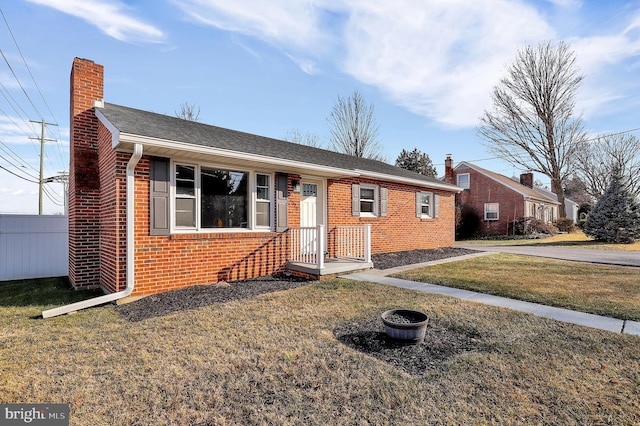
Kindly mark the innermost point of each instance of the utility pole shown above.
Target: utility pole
(42, 141)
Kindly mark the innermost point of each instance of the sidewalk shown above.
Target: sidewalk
(559, 314)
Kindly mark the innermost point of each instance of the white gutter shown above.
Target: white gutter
(434, 185)
(131, 165)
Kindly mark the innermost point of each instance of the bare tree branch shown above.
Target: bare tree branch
(309, 139)
(596, 161)
(532, 125)
(353, 128)
(188, 112)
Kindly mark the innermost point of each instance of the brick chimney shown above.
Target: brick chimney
(526, 179)
(448, 169)
(87, 86)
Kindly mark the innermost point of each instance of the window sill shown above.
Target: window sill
(220, 235)
(368, 216)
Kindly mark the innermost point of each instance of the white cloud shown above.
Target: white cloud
(290, 23)
(110, 17)
(607, 61)
(438, 59)
(573, 4)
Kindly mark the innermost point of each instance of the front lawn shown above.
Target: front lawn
(274, 359)
(612, 291)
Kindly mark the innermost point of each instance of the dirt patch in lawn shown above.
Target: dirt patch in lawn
(409, 257)
(439, 345)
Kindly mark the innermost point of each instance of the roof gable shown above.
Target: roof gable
(515, 186)
(147, 124)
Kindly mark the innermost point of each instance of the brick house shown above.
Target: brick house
(497, 199)
(158, 203)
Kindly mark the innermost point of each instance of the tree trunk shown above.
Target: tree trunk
(556, 187)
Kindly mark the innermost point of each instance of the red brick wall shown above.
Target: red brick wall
(113, 214)
(169, 262)
(179, 260)
(97, 217)
(483, 189)
(400, 229)
(84, 185)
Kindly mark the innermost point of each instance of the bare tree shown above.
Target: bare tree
(353, 128)
(309, 139)
(188, 112)
(597, 159)
(532, 124)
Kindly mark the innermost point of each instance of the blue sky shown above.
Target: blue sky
(262, 67)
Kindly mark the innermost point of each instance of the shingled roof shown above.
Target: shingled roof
(152, 125)
(510, 183)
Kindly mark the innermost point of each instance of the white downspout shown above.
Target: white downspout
(131, 165)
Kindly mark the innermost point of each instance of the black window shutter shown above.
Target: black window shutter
(159, 196)
(282, 193)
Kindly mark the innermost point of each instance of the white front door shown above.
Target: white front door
(311, 214)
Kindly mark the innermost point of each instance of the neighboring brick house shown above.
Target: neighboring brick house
(158, 203)
(497, 199)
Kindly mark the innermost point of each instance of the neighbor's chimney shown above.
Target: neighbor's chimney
(526, 179)
(448, 169)
(87, 86)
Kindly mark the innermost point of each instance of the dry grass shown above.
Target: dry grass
(274, 360)
(575, 239)
(599, 289)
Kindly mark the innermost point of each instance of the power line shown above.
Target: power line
(14, 157)
(15, 42)
(586, 140)
(19, 83)
(612, 134)
(16, 175)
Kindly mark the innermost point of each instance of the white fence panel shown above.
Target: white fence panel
(33, 246)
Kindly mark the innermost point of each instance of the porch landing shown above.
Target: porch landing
(332, 267)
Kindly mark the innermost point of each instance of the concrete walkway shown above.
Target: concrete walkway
(559, 314)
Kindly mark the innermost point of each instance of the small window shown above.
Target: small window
(367, 200)
(424, 204)
(463, 180)
(185, 196)
(263, 200)
(491, 211)
(309, 190)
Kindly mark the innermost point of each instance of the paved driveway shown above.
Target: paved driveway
(612, 257)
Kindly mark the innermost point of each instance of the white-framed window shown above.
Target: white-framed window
(368, 200)
(263, 200)
(425, 201)
(463, 180)
(218, 198)
(185, 201)
(491, 211)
